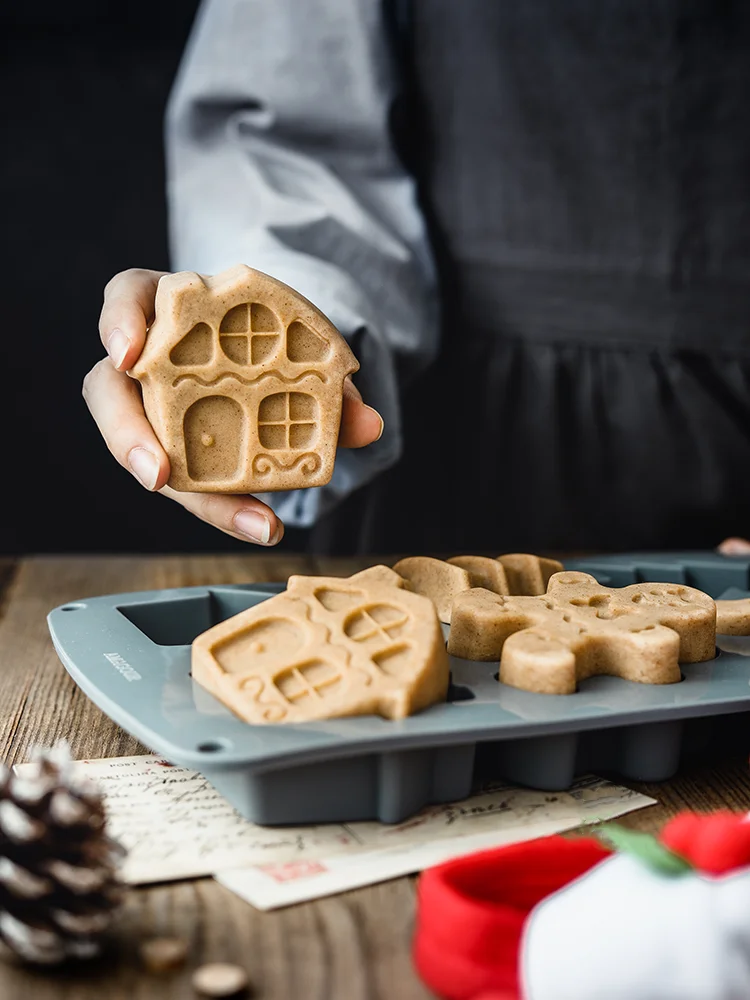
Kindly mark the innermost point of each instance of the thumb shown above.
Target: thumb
(360, 423)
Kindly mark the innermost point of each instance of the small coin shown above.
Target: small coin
(163, 954)
(219, 979)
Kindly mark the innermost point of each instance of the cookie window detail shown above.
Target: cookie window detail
(250, 333)
(287, 421)
(195, 348)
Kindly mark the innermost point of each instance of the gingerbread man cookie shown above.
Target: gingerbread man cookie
(327, 647)
(578, 629)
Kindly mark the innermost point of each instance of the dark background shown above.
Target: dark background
(83, 85)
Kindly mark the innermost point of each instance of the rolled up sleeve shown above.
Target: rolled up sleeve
(280, 156)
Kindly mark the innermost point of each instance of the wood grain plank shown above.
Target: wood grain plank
(8, 568)
(339, 566)
(41, 704)
(725, 785)
(351, 947)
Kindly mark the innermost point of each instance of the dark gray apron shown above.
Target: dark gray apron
(585, 168)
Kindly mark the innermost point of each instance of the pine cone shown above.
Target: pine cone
(58, 868)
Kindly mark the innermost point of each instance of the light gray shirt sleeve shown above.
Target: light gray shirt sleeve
(279, 155)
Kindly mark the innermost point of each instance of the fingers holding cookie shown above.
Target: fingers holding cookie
(114, 401)
(126, 313)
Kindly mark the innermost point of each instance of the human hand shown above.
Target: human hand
(735, 547)
(114, 401)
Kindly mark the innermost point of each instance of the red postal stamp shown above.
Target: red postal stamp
(293, 870)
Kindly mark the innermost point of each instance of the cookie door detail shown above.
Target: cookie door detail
(215, 431)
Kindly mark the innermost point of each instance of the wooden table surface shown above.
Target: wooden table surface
(349, 947)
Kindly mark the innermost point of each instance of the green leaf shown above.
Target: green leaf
(646, 848)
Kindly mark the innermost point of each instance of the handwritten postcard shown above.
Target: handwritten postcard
(175, 825)
(501, 815)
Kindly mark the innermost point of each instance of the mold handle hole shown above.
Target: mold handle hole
(213, 746)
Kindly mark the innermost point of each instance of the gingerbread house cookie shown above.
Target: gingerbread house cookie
(327, 647)
(528, 575)
(242, 382)
(484, 572)
(733, 617)
(442, 581)
(578, 629)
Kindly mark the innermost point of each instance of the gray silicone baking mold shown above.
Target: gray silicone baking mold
(130, 653)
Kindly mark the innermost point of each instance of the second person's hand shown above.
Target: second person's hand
(114, 400)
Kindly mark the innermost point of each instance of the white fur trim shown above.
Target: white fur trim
(622, 931)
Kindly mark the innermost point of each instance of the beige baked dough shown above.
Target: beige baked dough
(242, 381)
(327, 647)
(442, 581)
(578, 629)
(484, 572)
(733, 617)
(528, 575)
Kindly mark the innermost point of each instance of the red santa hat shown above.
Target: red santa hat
(570, 919)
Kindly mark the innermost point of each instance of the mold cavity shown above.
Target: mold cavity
(171, 623)
(225, 603)
(73, 607)
(177, 622)
(459, 692)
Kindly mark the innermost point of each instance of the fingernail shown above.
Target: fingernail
(118, 346)
(382, 422)
(253, 525)
(145, 467)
